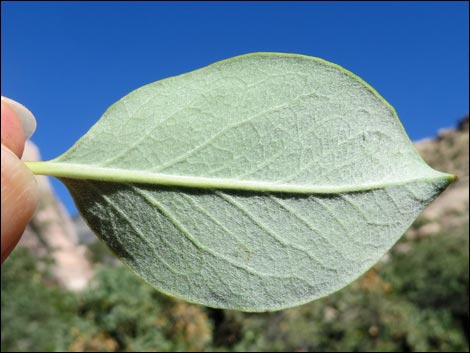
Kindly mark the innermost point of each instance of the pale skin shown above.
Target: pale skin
(19, 190)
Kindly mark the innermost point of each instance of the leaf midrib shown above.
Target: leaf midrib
(116, 175)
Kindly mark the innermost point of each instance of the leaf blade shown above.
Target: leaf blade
(257, 183)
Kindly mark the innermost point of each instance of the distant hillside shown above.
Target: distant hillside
(448, 152)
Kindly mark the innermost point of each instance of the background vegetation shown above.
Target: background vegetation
(417, 302)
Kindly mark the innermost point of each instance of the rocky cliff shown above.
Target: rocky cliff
(447, 152)
(52, 233)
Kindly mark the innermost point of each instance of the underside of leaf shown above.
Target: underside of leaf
(257, 183)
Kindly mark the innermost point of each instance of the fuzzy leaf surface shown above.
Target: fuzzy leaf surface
(257, 183)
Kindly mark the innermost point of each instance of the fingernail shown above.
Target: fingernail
(26, 117)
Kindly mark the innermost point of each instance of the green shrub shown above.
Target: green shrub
(36, 315)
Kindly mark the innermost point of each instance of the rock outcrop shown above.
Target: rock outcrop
(52, 233)
(448, 152)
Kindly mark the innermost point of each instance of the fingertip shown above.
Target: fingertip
(12, 133)
(27, 119)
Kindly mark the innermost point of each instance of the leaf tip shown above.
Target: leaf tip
(452, 178)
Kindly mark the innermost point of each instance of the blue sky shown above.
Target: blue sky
(68, 61)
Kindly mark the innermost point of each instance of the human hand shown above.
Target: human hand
(19, 189)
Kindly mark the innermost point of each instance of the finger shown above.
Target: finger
(12, 130)
(18, 199)
(27, 118)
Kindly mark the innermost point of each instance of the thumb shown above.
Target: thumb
(18, 199)
(18, 185)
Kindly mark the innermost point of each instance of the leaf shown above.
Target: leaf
(257, 183)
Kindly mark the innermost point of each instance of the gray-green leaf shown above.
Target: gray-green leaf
(257, 183)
